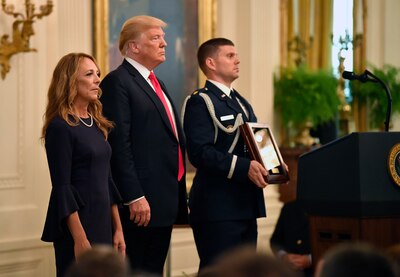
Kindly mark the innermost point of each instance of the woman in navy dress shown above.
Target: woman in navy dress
(83, 203)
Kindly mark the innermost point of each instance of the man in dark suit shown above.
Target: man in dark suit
(226, 197)
(290, 240)
(148, 145)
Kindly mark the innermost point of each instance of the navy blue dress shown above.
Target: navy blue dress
(79, 164)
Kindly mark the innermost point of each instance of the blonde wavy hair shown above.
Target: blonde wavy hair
(62, 92)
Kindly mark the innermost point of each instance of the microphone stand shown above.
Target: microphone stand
(388, 94)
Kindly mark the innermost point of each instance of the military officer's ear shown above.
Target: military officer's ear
(210, 63)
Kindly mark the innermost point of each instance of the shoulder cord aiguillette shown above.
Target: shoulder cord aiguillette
(216, 122)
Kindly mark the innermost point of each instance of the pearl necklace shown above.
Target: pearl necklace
(84, 123)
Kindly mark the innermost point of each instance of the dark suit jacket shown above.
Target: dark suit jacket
(291, 232)
(145, 150)
(214, 196)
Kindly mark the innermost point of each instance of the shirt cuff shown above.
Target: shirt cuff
(133, 201)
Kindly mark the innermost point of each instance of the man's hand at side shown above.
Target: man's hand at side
(140, 212)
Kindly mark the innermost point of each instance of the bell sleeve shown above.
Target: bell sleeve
(64, 198)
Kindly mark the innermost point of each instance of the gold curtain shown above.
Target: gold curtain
(317, 53)
(207, 27)
(359, 61)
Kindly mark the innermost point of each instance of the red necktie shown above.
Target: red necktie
(157, 87)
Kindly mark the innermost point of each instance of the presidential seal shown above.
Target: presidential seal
(394, 163)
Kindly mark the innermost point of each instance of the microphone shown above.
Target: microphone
(365, 77)
(348, 75)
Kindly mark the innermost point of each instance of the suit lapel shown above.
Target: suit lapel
(148, 90)
(245, 104)
(176, 115)
(252, 117)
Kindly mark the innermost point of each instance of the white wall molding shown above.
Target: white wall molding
(15, 120)
(19, 266)
(22, 244)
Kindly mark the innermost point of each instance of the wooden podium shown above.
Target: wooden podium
(346, 189)
(291, 155)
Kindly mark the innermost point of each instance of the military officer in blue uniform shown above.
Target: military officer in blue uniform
(227, 193)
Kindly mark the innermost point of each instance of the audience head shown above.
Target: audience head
(246, 262)
(355, 259)
(100, 261)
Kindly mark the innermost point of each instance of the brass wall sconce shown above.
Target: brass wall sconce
(22, 30)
